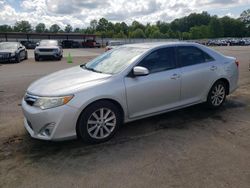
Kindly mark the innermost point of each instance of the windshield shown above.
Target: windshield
(48, 43)
(115, 60)
(8, 45)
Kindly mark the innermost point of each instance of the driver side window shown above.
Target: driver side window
(159, 60)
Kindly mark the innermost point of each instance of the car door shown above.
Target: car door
(198, 71)
(157, 91)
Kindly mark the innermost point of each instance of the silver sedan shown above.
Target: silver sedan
(130, 82)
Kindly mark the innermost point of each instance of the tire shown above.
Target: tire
(92, 130)
(26, 55)
(59, 58)
(217, 95)
(37, 58)
(17, 60)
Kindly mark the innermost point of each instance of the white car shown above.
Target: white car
(48, 49)
(127, 83)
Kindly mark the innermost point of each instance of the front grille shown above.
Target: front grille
(4, 56)
(46, 50)
(30, 99)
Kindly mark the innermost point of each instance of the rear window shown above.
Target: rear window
(189, 55)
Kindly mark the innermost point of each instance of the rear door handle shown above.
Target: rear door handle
(175, 76)
(213, 68)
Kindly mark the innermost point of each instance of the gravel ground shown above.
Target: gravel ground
(193, 147)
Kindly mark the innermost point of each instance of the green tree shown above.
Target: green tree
(23, 26)
(93, 24)
(102, 25)
(215, 27)
(40, 28)
(232, 27)
(138, 33)
(163, 26)
(77, 30)
(124, 28)
(54, 28)
(200, 32)
(68, 28)
(120, 35)
(152, 31)
(136, 25)
(186, 36)
(5, 28)
(184, 24)
(245, 16)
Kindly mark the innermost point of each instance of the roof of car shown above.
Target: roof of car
(158, 44)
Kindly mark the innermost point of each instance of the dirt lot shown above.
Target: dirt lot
(193, 147)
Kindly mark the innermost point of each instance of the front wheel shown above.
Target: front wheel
(217, 95)
(17, 60)
(99, 122)
(37, 58)
(26, 55)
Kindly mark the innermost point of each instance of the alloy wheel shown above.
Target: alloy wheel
(101, 123)
(218, 95)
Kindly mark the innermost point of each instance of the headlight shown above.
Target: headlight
(55, 50)
(52, 102)
(12, 54)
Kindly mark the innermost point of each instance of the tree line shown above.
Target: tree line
(194, 26)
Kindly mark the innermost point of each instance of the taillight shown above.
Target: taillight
(237, 63)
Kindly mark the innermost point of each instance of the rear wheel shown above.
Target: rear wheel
(217, 95)
(99, 122)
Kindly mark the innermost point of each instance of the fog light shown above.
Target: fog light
(47, 129)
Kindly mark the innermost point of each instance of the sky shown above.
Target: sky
(79, 13)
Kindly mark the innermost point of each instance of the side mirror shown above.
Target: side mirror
(37, 44)
(140, 71)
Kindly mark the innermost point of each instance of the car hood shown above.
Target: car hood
(64, 82)
(8, 51)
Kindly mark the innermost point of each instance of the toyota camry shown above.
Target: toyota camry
(130, 82)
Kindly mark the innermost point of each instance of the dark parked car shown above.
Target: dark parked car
(70, 44)
(12, 52)
(91, 44)
(28, 44)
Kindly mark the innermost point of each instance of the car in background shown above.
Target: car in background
(48, 49)
(12, 52)
(131, 82)
(70, 44)
(113, 44)
(91, 44)
(28, 44)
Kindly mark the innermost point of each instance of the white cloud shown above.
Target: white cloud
(80, 13)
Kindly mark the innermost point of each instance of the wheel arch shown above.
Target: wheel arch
(227, 83)
(225, 80)
(115, 102)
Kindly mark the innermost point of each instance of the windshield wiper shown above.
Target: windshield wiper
(91, 69)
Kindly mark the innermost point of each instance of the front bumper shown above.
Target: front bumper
(48, 55)
(63, 120)
(7, 59)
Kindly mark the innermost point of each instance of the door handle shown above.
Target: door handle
(213, 68)
(175, 76)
